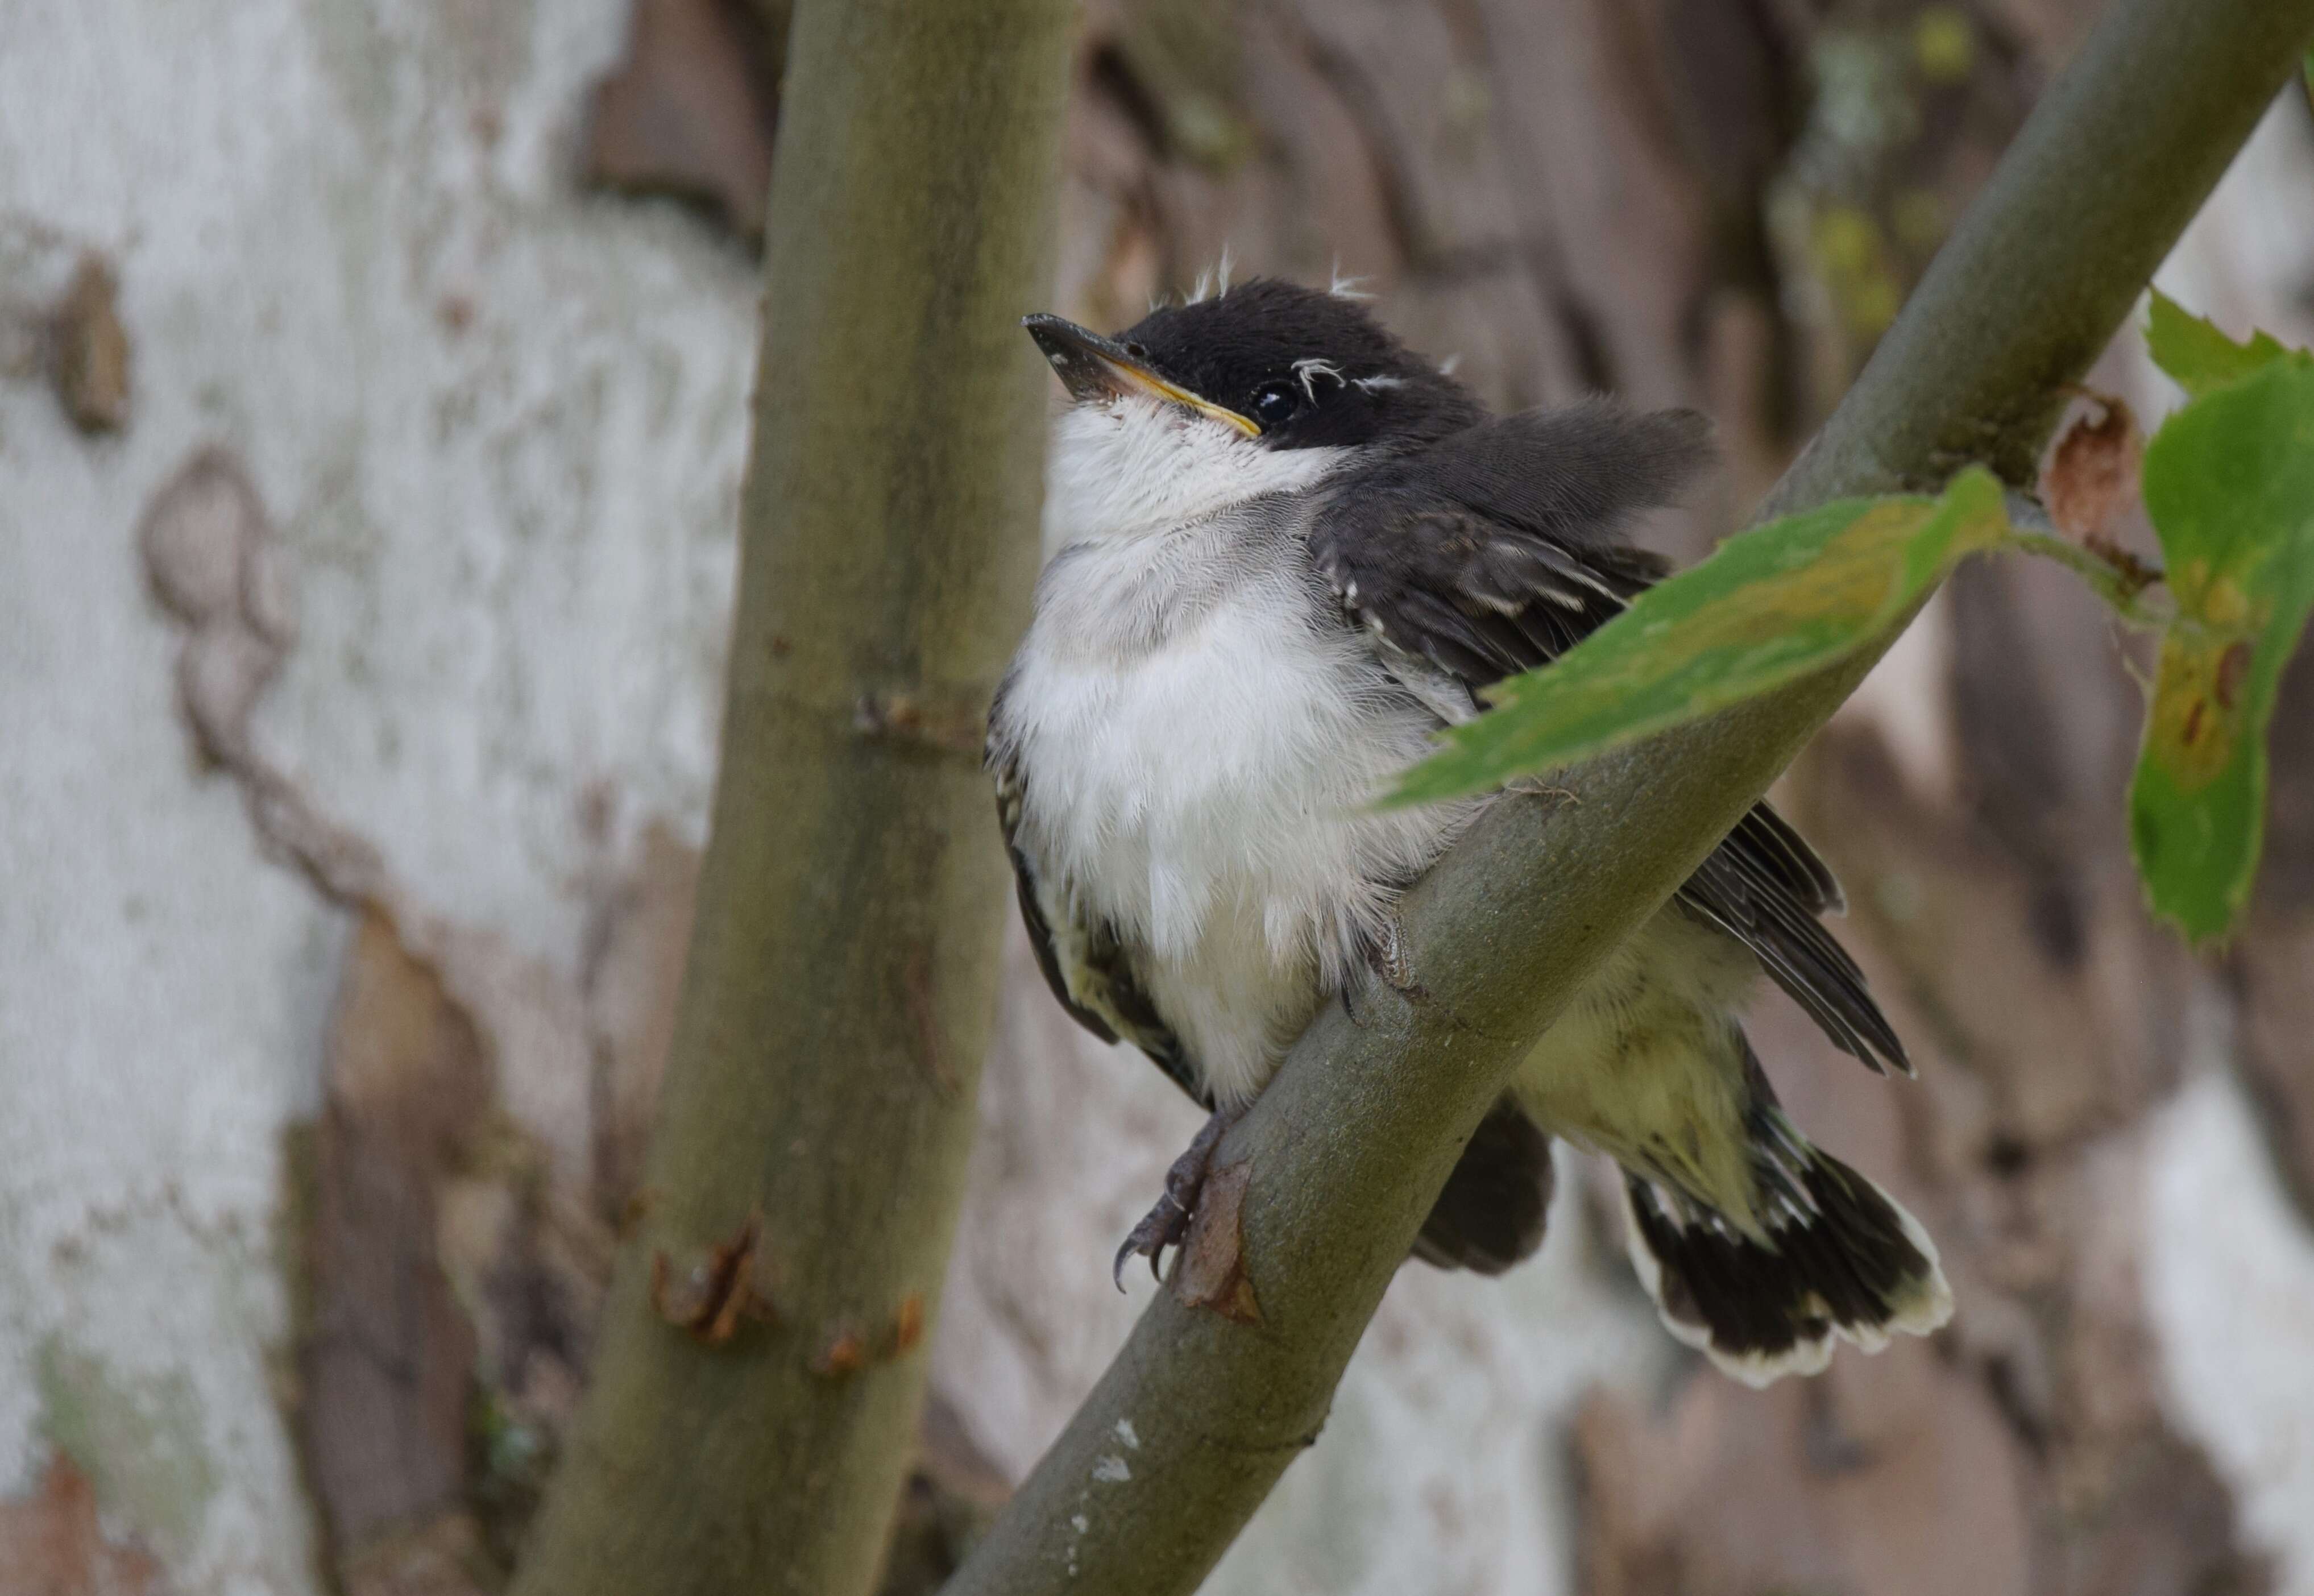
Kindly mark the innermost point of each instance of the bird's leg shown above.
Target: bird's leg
(1164, 1225)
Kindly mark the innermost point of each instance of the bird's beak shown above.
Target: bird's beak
(1091, 367)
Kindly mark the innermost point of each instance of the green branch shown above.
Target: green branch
(1352, 1140)
(754, 1386)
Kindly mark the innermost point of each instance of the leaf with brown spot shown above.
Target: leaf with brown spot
(1212, 1271)
(2092, 473)
(51, 1544)
(2229, 485)
(2234, 664)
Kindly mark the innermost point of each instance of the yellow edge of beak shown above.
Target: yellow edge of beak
(1153, 383)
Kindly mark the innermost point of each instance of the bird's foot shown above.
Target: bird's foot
(1386, 956)
(1167, 1222)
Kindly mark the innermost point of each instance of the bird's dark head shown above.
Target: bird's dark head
(1265, 387)
(1290, 366)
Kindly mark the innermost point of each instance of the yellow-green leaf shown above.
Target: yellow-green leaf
(2197, 356)
(1771, 605)
(2229, 485)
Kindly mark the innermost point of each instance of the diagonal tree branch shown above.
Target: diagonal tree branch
(1194, 1422)
(756, 1386)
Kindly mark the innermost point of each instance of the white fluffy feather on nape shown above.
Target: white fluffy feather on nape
(1214, 280)
(1342, 286)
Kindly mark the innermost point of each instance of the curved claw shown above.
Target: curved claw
(1161, 1227)
(1167, 1222)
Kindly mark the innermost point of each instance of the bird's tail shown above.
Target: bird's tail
(1828, 1254)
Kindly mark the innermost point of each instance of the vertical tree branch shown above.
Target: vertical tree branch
(1199, 1415)
(761, 1361)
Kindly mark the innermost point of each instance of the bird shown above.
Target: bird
(1285, 552)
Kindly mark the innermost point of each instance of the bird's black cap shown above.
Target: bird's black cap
(1298, 367)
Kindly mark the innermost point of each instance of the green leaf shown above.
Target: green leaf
(2229, 485)
(2198, 357)
(1771, 605)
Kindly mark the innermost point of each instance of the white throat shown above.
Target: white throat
(1136, 466)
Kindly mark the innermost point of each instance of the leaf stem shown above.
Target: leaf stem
(2123, 583)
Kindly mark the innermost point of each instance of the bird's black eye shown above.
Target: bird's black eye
(1277, 403)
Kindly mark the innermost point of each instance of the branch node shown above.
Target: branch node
(720, 1289)
(908, 715)
(845, 1352)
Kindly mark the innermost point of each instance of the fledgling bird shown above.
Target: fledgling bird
(1288, 550)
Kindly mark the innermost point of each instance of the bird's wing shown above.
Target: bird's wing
(1084, 964)
(1766, 886)
(1494, 551)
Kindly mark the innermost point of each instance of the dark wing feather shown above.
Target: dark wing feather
(1495, 548)
(1084, 964)
(1494, 551)
(1735, 890)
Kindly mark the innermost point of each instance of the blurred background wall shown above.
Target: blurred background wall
(372, 375)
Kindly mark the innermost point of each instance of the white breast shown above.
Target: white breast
(1206, 791)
